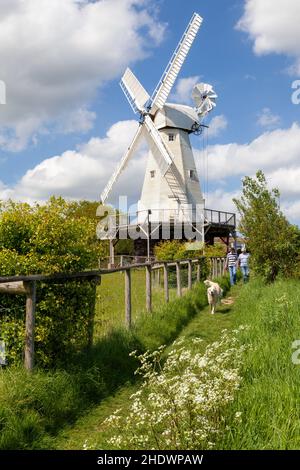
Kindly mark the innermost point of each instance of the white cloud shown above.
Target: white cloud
(273, 25)
(267, 119)
(287, 179)
(55, 54)
(292, 211)
(217, 125)
(271, 150)
(83, 174)
(183, 90)
(248, 76)
(277, 153)
(222, 200)
(82, 120)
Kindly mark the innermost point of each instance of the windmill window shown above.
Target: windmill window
(152, 174)
(171, 137)
(193, 175)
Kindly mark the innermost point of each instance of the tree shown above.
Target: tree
(272, 240)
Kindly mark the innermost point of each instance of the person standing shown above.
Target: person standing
(243, 263)
(230, 265)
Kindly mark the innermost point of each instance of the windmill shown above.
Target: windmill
(171, 189)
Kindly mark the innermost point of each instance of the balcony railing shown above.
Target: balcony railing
(173, 216)
(219, 217)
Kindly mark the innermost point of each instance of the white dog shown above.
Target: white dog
(214, 294)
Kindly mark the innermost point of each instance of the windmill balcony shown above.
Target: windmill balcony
(209, 218)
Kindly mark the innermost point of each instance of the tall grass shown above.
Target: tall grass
(33, 407)
(110, 300)
(269, 399)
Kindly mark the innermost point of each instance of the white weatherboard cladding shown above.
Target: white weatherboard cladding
(176, 115)
(156, 193)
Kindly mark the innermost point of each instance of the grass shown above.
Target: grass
(89, 427)
(34, 407)
(269, 397)
(110, 300)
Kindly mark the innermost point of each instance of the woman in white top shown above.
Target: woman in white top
(243, 263)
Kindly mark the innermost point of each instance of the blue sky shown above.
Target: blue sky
(66, 121)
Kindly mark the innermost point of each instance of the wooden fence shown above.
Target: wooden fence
(26, 285)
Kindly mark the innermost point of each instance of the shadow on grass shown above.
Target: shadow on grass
(224, 311)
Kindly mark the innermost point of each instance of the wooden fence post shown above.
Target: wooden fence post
(148, 289)
(95, 281)
(166, 282)
(178, 278)
(158, 277)
(128, 298)
(190, 273)
(198, 272)
(30, 288)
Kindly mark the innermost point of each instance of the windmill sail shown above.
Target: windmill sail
(122, 164)
(167, 81)
(157, 146)
(134, 91)
(165, 162)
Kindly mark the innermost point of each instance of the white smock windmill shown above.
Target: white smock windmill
(171, 189)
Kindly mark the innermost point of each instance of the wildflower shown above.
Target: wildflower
(180, 403)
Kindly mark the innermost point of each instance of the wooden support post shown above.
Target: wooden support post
(30, 288)
(148, 289)
(94, 282)
(166, 282)
(111, 254)
(190, 273)
(158, 277)
(178, 278)
(128, 298)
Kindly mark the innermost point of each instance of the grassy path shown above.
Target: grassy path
(88, 428)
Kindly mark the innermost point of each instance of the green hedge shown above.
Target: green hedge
(47, 239)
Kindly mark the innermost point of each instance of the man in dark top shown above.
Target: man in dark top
(231, 262)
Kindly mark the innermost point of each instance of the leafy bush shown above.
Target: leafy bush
(216, 250)
(47, 239)
(273, 242)
(172, 250)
